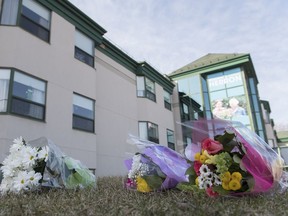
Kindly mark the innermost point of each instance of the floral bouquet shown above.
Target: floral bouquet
(229, 159)
(41, 163)
(155, 167)
(23, 167)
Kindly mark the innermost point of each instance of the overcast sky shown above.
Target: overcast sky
(169, 34)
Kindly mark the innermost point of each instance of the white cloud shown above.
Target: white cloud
(171, 34)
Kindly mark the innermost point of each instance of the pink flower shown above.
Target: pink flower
(197, 166)
(211, 146)
(211, 193)
(130, 183)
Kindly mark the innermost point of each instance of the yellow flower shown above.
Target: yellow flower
(225, 185)
(142, 185)
(234, 185)
(203, 158)
(210, 159)
(197, 181)
(226, 177)
(236, 176)
(197, 156)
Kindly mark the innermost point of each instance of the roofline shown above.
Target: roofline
(85, 24)
(147, 70)
(240, 60)
(72, 14)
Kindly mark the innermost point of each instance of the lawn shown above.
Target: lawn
(110, 198)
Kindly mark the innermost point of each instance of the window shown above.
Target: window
(185, 112)
(35, 19)
(4, 88)
(170, 139)
(83, 113)
(84, 48)
(149, 131)
(146, 88)
(9, 12)
(167, 100)
(188, 141)
(27, 97)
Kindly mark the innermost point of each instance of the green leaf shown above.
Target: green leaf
(229, 146)
(184, 186)
(190, 171)
(192, 179)
(153, 181)
(220, 190)
(250, 182)
(82, 177)
(191, 174)
(225, 138)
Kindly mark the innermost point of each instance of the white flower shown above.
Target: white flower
(10, 164)
(18, 173)
(18, 143)
(143, 169)
(207, 184)
(6, 184)
(43, 153)
(8, 171)
(136, 163)
(204, 169)
(33, 178)
(29, 157)
(201, 185)
(216, 180)
(20, 182)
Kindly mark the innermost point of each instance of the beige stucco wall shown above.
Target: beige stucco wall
(118, 111)
(55, 63)
(112, 86)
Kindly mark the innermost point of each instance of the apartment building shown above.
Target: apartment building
(222, 86)
(60, 78)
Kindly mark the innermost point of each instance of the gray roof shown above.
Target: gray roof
(209, 59)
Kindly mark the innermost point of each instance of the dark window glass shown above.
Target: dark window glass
(150, 95)
(28, 109)
(170, 139)
(83, 113)
(84, 57)
(83, 123)
(35, 17)
(167, 105)
(32, 21)
(153, 132)
(34, 28)
(28, 96)
(171, 145)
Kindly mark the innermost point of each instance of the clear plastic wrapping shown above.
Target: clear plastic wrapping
(230, 159)
(154, 167)
(62, 170)
(41, 163)
(224, 158)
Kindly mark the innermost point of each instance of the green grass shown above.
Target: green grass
(110, 198)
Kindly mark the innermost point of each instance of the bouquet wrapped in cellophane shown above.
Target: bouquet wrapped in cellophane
(154, 167)
(227, 158)
(40, 163)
